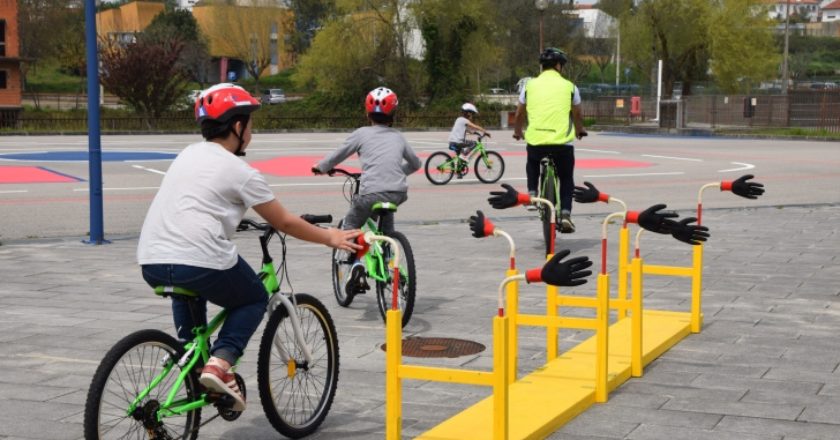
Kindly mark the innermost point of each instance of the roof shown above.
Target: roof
(793, 2)
(832, 5)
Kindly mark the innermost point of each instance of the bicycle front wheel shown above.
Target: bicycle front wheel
(439, 168)
(296, 395)
(342, 261)
(408, 279)
(489, 168)
(549, 193)
(128, 369)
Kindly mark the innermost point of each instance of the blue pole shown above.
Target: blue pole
(97, 234)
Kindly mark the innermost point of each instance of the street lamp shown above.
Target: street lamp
(541, 6)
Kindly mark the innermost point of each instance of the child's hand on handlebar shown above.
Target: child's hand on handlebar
(316, 171)
(343, 239)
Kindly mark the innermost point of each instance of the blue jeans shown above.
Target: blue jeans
(237, 289)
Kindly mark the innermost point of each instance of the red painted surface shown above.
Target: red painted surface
(300, 166)
(17, 174)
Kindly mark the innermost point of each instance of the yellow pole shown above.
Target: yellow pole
(636, 367)
(623, 249)
(501, 412)
(696, 289)
(393, 386)
(602, 336)
(551, 332)
(512, 310)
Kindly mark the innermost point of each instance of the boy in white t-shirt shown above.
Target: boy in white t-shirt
(186, 236)
(463, 125)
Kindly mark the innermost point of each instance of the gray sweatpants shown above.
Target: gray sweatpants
(361, 208)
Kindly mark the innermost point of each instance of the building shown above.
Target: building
(10, 64)
(596, 23)
(831, 12)
(217, 23)
(122, 23)
(807, 10)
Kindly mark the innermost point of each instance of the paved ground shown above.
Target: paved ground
(765, 366)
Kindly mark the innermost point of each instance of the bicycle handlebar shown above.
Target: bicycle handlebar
(335, 171)
(314, 219)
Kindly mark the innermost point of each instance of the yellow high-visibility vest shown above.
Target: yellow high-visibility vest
(548, 100)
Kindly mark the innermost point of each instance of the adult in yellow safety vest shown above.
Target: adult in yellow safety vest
(551, 104)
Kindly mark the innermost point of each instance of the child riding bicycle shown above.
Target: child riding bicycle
(463, 125)
(386, 160)
(186, 237)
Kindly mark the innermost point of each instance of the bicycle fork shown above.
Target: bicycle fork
(286, 356)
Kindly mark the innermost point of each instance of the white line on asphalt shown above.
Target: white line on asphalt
(307, 184)
(674, 158)
(11, 191)
(134, 188)
(673, 173)
(57, 359)
(598, 151)
(744, 166)
(151, 170)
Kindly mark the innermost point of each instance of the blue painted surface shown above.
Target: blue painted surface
(82, 156)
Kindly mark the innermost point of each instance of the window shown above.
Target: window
(3, 39)
(2, 79)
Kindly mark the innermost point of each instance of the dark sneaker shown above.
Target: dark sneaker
(357, 283)
(217, 380)
(566, 226)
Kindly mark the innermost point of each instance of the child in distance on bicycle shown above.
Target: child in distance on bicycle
(386, 160)
(463, 125)
(186, 236)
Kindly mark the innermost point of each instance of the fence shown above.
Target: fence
(818, 109)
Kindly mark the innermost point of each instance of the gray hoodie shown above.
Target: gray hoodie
(381, 150)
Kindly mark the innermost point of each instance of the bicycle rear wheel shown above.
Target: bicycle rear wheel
(408, 279)
(296, 396)
(490, 170)
(342, 261)
(549, 192)
(127, 369)
(439, 168)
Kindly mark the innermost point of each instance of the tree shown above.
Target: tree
(310, 15)
(742, 46)
(249, 31)
(145, 74)
(365, 45)
(686, 34)
(181, 25)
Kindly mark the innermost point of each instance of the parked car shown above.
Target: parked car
(497, 91)
(273, 96)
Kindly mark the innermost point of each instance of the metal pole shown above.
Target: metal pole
(97, 234)
(541, 31)
(785, 61)
(618, 58)
(658, 88)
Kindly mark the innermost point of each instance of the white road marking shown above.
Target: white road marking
(673, 173)
(13, 191)
(133, 188)
(744, 166)
(598, 151)
(57, 359)
(151, 170)
(307, 184)
(673, 158)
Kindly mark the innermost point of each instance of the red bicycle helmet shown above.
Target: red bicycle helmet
(381, 100)
(224, 101)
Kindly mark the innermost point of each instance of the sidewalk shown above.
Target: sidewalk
(764, 367)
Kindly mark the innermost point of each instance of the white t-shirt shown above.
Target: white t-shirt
(201, 200)
(459, 130)
(575, 101)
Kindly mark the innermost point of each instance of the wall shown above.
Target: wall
(10, 97)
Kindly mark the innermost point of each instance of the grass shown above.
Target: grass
(793, 132)
(48, 78)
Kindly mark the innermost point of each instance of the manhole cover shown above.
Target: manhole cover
(416, 346)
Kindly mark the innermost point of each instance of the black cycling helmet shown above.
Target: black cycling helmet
(551, 56)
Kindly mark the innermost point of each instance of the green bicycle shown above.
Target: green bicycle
(147, 384)
(377, 259)
(489, 165)
(549, 189)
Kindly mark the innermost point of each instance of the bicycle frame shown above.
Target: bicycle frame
(199, 347)
(548, 172)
